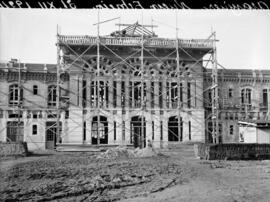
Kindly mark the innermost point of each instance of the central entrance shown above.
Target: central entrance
(99, 130)
(138, 131)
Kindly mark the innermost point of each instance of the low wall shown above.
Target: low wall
(13, 149)
(232, 151)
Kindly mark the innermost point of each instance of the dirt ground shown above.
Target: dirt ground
(174, 176)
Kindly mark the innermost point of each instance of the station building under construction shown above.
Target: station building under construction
(129, 88)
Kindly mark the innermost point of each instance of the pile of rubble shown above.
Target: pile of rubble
(123, 152)
(118, 152)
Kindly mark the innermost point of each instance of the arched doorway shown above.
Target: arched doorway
(138, 131)
(175, 129)
(99, 131)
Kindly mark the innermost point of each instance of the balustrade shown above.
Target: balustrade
(136, 41)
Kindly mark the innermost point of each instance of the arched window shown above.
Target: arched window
(14, 95)
(246, 96)
(51, 96)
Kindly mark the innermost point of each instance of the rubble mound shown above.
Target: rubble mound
(118, 152)
(145, 152)
(123, 152)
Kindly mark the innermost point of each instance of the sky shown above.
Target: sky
(244, 35)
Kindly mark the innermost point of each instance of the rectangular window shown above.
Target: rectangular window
(160, 96)
(189, 130)
(34, 129)
(265, 98)
(67, 114)
(130, 94)
(123, 98)
(35, 89)
(181, 93)
(51, 115)
(210, 98)
(84, 93)
(152, 90)
(181, 129)
(123, 131)
(231, 129)
(161, 130)
(11, 114)
(1, 113)
(220, 129)
(84, 130)
(153, 130)
(174, 94)
(51, 96)
(114, 130)
(230, 94)
(35, 116)
(114, 94)
(167, 94)
(92, 93)
(15, 95)
(188, 95)
(106, 91)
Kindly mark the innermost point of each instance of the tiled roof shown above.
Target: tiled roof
(30, 67)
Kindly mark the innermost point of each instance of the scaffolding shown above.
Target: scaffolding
(144, 44)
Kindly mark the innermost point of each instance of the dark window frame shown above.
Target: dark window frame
(35, 90)
(34, 129)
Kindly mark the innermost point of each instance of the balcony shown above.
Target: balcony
(136, 41)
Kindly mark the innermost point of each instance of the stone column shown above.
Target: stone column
(118, 121)
(127, 93)
(157, 127)
(127, 124)
(110, 93)
(133, 100)
(88, 120)
(199, 93)
(118, 93)
(148, 129)
(164, 94)
(193, 94)
(79, 92)
(165, 133)
(170, 94)
(73, 91)
(156, 95)
(185, 128)
(88, 90)
(148, 94)
(185, 94)
(110, 131)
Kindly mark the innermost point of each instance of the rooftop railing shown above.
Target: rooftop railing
(136, 41)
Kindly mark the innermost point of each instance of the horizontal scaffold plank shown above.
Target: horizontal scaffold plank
(136, 41)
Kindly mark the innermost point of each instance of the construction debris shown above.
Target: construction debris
(123, 152)
(118, 152)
